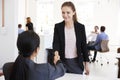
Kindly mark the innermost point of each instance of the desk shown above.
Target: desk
(69, 76)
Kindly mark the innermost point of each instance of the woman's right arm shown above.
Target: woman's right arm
(56, 71)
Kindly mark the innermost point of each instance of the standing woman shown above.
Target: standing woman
(29, 24)
(70, 41)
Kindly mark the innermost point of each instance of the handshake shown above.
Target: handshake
(56, 57)
(53, 57)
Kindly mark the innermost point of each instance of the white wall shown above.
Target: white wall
(31, 10)
(0, 12)
(118, 25)
(106, 13)
(22, 13)
(118, 28)
(8, 33)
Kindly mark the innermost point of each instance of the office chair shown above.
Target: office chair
(104, 49)
(118, 51)
(104, 46)
(7, 67)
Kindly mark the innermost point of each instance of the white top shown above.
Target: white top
(92, 36)
(70, 43)
(20, 30)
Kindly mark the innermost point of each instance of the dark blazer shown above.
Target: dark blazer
(59, 41)
(44, 71)
(30, 26)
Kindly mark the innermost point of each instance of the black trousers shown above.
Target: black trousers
(72, 66)
(95, 51)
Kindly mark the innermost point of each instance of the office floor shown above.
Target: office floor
(106, 71)
(98, 72)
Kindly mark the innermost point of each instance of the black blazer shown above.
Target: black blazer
(30, 26)
(59, 41)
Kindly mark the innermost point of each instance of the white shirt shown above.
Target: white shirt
(70, 43)
(92, 36)
(20, 30)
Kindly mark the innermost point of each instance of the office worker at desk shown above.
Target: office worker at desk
(24, 68)
(92, 37)
(70, 41)
(97, 45)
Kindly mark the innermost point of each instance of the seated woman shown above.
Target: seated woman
(25, 68)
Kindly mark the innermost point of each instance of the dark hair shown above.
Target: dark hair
(19, 25)
(27, 42)
(102, 29)
(28, 19)
(70, 4)
(96, 27)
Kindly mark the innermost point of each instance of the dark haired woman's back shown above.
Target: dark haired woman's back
(34, 71)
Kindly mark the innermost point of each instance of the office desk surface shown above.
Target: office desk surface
(68, 76)
(77, 77)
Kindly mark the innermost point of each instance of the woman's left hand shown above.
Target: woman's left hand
(87, 71)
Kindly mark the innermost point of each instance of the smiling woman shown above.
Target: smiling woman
(69, 40)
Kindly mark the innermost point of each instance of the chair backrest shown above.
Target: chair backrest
(104, 46)
(7, 67)
(118, 50)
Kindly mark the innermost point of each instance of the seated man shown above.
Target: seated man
(96, 46)
(20, 30)
(24, 67)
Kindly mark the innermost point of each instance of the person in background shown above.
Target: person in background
(24, 67)
(20, 30)
(69, 41)
(96, 46)
(92, 37)
(29, 24)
